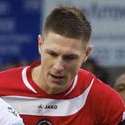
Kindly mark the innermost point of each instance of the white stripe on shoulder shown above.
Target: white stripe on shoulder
(25, 80)
(47, 106)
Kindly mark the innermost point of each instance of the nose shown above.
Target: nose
(59, 65)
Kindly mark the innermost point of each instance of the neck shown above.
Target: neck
(35, 75)
(39, 80)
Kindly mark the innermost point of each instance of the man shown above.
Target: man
(120, 85)
(56, 91)
(8, 116)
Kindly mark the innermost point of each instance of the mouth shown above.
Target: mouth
(57, 76)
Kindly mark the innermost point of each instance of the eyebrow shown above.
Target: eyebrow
(73, 55)
(70, 56)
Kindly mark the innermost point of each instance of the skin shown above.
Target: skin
(120, 85)
(61, 58)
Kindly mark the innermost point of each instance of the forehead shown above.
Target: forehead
(59, 42)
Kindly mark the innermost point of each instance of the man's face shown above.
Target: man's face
(61, 58)
(120, 85)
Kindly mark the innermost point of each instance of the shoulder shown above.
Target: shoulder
(108, 102)
(100, 88)
(11, 71)
(106, 92)
(105, 102)
(10, 78)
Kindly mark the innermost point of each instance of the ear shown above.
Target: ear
(40, 42)
(40, 39)
(88, 52)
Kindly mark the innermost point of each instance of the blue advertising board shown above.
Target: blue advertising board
(19, 27)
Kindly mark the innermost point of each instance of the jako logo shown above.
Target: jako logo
(49, 106)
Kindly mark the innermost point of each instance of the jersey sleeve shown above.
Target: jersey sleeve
(114, 109)
(110, 106)
(8, 116)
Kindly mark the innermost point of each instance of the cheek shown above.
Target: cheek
(46, 60)
(45, 64)
(74, 68)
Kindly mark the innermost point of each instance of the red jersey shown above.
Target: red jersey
(88, 101)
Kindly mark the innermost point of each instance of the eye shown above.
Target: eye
(70, 57)
(52, 53)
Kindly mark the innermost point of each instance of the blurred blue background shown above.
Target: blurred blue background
(19, 27)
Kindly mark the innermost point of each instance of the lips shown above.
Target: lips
(57, 76)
